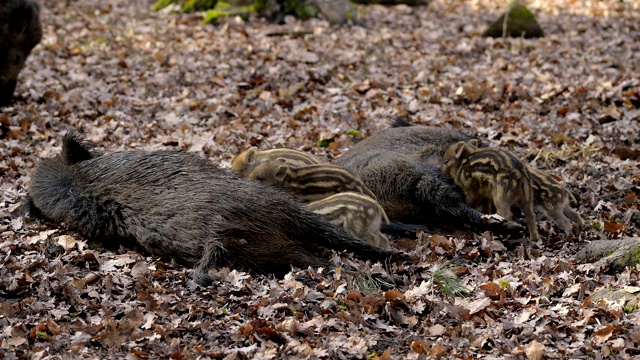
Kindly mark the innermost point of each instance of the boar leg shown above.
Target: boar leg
(477, 202)
(557, 214)
(377, 237)
(530, 219)
(212, 251)
(571, 214)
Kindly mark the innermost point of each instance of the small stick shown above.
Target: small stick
(615, 193)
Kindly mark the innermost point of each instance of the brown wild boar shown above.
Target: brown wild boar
(554, 199)
(401, 165)
(309, 183)
(494, 174)
(20, 32)
(359, 214)
(180, 205)
(550, 196)
(244, 163)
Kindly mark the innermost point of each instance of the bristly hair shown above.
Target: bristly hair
(75, 149)
(400, 122)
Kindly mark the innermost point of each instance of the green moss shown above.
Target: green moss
(324, 143)
(196, 5)
(290, 5)
(519, 22)
(354, 132)
(248, 8)
(42, 335)
(260, 5)
(351, 15)
(161, 4)
(341, 304)
(217, 9)
(187, 6)
(503, 284)
(306, 11)
(213, 15)
(224, 9)
(635, 256)
(596, 225)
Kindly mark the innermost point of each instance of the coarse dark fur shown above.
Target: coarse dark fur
(401, 165)
(182, 206)
(20, 32)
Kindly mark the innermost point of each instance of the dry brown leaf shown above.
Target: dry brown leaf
(612, 227)
(534, 350)
(420, 346)
(436, 330)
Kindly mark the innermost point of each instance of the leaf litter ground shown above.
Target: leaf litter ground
(132, 79)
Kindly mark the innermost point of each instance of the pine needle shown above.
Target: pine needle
(449, 283)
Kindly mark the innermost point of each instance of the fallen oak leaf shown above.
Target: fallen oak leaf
(438, 350)
(69, 242)
(534, 350)
(420, 346)
(474, 306)
(612, 227)
(436, 330)
(492, 290)
(605, 333)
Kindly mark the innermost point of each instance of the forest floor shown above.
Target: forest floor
(133, 79)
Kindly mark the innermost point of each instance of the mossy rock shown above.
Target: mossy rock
(623, 298)
(616, 254)
(336, 11)
(519, 22)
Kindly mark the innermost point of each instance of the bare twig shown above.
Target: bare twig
(615, 193)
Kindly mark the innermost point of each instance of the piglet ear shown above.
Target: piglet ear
(460, 149)
(280, 172)
(474, 143)
(251, 154)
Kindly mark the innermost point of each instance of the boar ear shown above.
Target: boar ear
(251, 154)
(474, 143)
(280, 172)
(461, 149)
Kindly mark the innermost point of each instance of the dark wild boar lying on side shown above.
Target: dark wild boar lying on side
(182, 206)
(20, 31)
